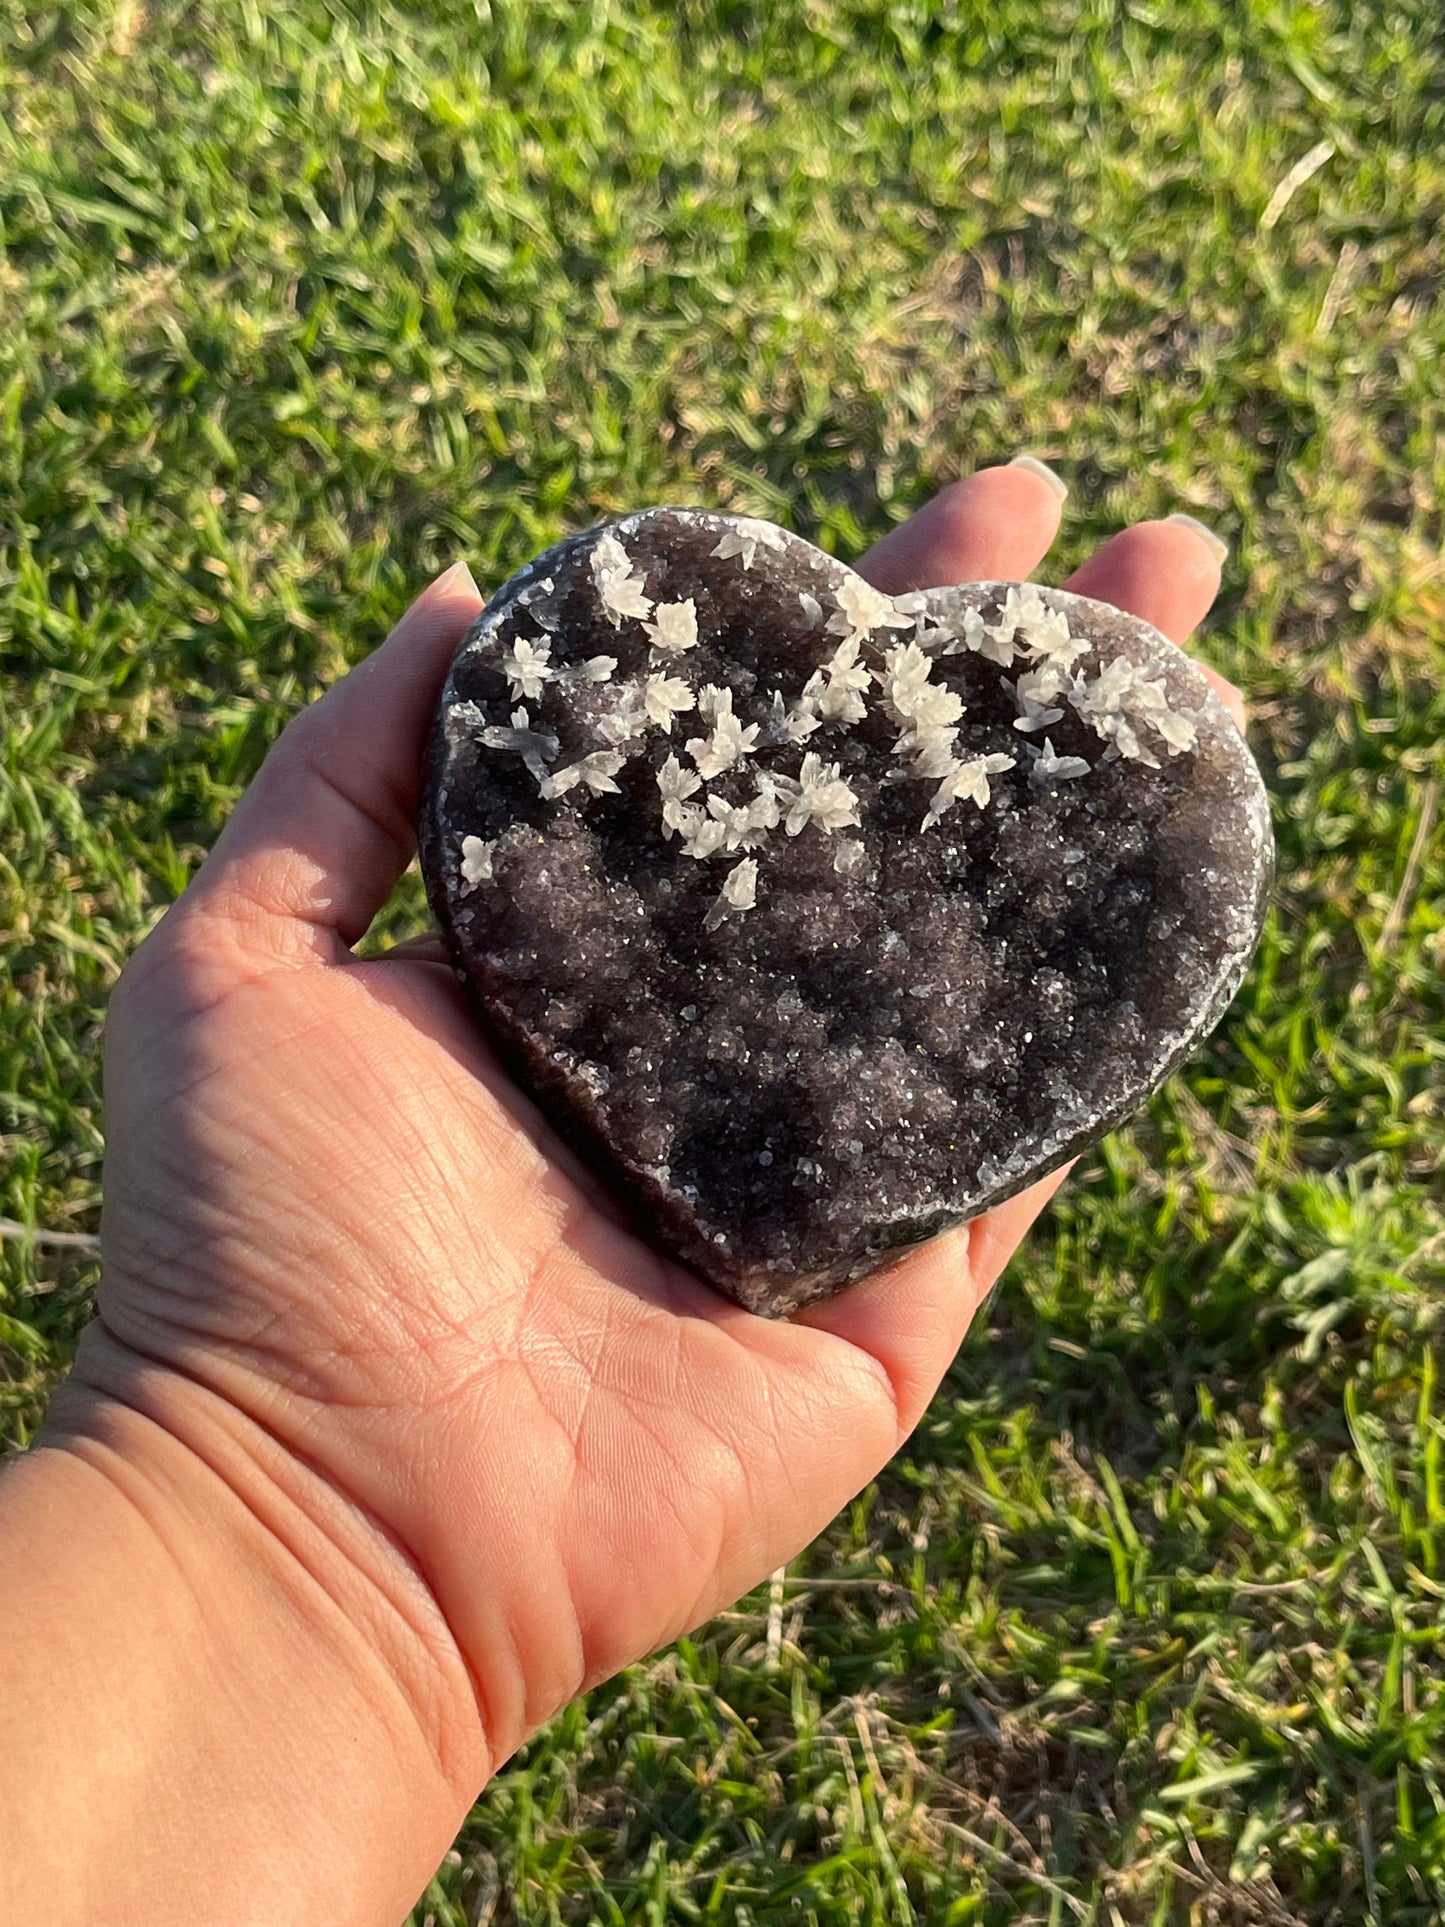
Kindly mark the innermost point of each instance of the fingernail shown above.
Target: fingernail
(458, 576)
(1216, 544)
(1044, 473)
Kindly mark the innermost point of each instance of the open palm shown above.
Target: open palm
(329, 1209)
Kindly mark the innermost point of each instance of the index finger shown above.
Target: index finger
(319, 839)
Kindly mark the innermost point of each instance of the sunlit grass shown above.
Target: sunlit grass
(299, 302)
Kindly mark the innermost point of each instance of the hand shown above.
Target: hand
(347, 1262)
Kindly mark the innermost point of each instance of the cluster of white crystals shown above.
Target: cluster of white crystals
(739, 893)
(596, 770)
(819, 795)
(745, 537)
(729, 742)
(1036, 693)
(673, 627)
(528, 667)
(862, 609)
(714, 824)
(967, 782)
(477, 860)
(1125, 698)
(536, 747)
(927, 714)
(1048, 767)
(1121, 701)
(665, 697)
(620, 592)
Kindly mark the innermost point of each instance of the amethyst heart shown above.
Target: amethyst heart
(819, 920)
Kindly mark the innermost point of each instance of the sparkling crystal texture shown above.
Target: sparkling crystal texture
(820, 920)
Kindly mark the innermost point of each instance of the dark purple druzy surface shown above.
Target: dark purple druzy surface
(915, 1001)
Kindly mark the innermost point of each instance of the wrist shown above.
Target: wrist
(290, 1705)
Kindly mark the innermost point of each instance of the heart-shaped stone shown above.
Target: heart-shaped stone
(819, 920)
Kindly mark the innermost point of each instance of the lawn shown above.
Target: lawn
(300, 301)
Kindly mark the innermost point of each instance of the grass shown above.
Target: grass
(300, 301)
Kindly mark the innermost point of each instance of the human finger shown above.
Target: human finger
(325, 829)
(993, 526)
(911, 1317)
(429, 947)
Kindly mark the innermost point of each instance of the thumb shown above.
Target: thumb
(319, 839)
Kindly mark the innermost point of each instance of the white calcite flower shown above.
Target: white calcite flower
(968, 783)
(1178, 731)
(818, 795)
(996, 639)
(1049, 767)
(536, 747)
(935, 640)
(972, 635)
(929, 748)
(526, 667)
(676, 784)
(620, 590)
(729, 742)
(931, 637)
(625, 718)
(1046, 635)
(909, 693)
(666, 697)
(1125, 698)
(862, 608)
(596, 770)
(702, 834)
(843, 680)
(738, 894)
(1149, 706)
(744, 539)
(1024, 623)
(725, 826)
(1035, 692)
(745, 826)
(673, 627)
(681, 818)
(765, 811)
(793, 722)
(477, 860)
